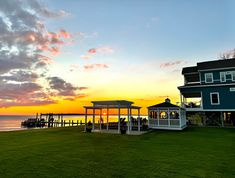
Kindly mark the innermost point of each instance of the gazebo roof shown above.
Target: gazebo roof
(166, 104)
(112, 104)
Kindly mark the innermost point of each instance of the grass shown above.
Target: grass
(68, 152)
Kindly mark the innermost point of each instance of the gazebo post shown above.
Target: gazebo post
(138, 119)
(180, 117)
(158, 116)
(149, 114)
(181, 100)
(128, 116)
(118, 118)
(168, 115)
(93, 122)
(100, 117)
(85, 119)
(130, 120)
(107, 118)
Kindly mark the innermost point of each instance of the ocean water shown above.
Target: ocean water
(13, 122)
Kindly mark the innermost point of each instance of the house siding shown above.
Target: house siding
(226, 97)
(216, 76)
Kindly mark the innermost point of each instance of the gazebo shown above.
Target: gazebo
(166, 116)
(112, 104)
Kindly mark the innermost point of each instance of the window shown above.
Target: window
(163, 115)
(214, 98)
(233, 75)
(222, 77)
(209, 77)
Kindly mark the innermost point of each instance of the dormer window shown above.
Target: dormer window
(208, 77)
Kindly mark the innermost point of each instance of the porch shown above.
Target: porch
(191, 101)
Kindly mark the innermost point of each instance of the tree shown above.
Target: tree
(228, 54)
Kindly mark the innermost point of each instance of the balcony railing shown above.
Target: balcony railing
(192, 104)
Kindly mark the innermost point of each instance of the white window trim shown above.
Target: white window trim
(211, 77)
(233, 79)
(221, 77)
(217, 93)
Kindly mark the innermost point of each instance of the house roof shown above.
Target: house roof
(189, 70)
(165, 104)
(216, 64)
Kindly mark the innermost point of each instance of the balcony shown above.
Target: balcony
(192, 106)
(192, 79)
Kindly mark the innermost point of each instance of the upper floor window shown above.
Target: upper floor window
(233, 75)
(227, 76)
(209, 77)
(214, 98)
(222, 76)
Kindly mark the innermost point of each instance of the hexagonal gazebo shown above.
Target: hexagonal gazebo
(166, 116)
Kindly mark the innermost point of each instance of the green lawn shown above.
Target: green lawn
(68, 152)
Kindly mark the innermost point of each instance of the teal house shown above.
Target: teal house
(209, 92)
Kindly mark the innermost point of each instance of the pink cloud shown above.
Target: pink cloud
(92, 51)
(172, 64)
(21, 83)
(55, 50)
(100, 50)
(86, 57)
(95, 66)
(64, 33)
(82, 88)
(25, 94)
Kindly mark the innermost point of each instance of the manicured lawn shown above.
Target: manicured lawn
(68, 152)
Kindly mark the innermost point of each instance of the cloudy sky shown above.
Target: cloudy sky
(57, 55)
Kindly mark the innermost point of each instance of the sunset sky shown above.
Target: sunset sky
(58, 55)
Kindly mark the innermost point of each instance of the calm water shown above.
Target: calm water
(8, 123)
(11, 123)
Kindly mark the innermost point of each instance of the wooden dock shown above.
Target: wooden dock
(52, 120)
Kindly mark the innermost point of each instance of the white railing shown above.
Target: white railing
(167, 122)
(192, 104)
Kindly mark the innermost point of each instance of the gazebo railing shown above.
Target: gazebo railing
(166, 122)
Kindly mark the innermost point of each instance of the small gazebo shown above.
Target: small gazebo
(112, 104)
(166, 116)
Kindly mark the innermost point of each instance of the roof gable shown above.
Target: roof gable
(166, 104)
